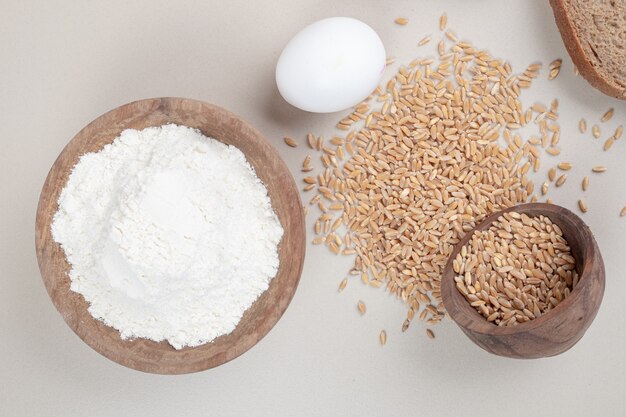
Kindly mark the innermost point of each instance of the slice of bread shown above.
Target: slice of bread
(594, 32)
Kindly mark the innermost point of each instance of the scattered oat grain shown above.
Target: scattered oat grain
(424, 41)
(556, 63)
(551, 174)
(443, 20)
(555, 68)
(361, 307)
(595, 131)
(311, 141)
(607, 116)
(452, 36)
(585, 183)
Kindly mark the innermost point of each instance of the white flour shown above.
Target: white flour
(170, 235)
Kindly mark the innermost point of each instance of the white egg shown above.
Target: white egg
(330, 65)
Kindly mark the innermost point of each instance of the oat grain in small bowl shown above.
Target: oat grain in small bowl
(517, 270)
(534, 278)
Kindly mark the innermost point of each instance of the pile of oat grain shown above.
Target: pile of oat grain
(423, 161)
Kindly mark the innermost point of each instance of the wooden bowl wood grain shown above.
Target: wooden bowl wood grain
(557, 330)
(146, 355)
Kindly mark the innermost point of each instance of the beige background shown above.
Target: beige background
(63, 63)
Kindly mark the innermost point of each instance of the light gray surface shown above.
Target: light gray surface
(63, 63)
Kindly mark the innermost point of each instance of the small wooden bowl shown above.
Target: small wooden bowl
(559, 329)
(146, 355)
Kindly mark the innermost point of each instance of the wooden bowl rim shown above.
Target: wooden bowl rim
(298, 232)
(474, 321)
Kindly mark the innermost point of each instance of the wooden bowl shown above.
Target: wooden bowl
(557, 330)
(146, 355)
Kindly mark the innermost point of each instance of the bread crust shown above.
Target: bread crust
(577, 53)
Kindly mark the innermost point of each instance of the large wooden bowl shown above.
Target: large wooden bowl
(557, 330)
(146, 355)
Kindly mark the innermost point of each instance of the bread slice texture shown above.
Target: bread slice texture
(594, 33)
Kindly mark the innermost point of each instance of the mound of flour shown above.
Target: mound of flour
(170, 235)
